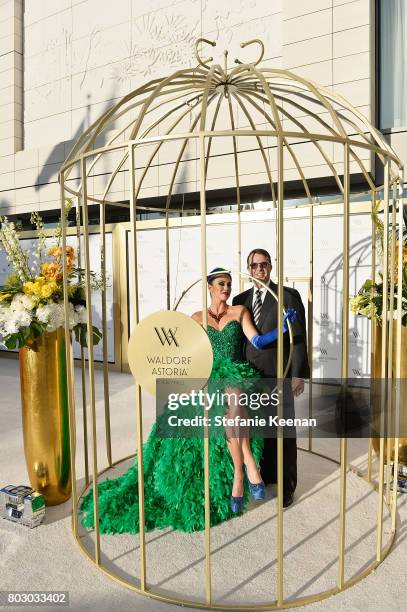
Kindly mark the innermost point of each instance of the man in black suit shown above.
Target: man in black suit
(263, 307)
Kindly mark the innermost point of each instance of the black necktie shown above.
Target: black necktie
(257, 307)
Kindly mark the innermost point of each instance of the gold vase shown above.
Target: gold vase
(45, 416)
(377, 374)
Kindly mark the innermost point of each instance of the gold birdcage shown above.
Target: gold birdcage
(171, 136)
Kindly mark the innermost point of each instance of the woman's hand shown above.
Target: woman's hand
(290, 315)
(260, 341)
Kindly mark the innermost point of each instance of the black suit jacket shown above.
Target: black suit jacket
(265, 359)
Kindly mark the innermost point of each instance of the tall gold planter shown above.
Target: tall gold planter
(45, 416)
(377, 374)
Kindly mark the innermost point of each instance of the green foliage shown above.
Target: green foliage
(24, 337)
(369, 300)
(81, 334)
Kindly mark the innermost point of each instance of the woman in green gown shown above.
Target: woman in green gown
(174, 466)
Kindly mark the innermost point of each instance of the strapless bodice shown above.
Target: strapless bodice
(228, 341)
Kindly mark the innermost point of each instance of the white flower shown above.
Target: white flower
(43, 313)
(73, 319)
(13, 321)
(23, 318)
(52, 316)
(22, 302)
(10, 327)
(82, 314)
(4, 312)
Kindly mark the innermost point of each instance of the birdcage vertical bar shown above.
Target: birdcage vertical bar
(310, 316)
(372, 325)
(345, 364)
(91, 363)
(102, 215)
(83, 362)
(207, 536)
(400, 287)
(139, 409)
(280, 371)
(383, 382)
(390, 349)
(69, 362)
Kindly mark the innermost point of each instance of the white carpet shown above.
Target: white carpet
(244, 549)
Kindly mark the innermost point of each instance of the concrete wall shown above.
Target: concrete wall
(82, 55)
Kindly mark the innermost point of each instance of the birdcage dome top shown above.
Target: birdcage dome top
(252, 106)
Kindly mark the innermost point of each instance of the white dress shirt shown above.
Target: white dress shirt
(262, 295)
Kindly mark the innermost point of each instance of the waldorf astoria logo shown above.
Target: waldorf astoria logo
(167, 336)
(169, 345)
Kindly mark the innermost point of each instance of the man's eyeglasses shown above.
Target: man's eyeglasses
(262, 265)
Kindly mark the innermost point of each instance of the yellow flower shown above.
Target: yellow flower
(4, 296)
(36, 287)
(28, 288)
(48, 289)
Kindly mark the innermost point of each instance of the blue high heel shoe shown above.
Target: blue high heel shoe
(236, 504)
(257, 489)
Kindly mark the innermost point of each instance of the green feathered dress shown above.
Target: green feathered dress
(174, 466)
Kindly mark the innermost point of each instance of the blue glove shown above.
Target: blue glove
(260, 342)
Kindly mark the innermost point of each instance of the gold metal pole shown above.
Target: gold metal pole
(383, 385)
(123, 241)
(345, 363)
(139, 413)
(83, 362)
(102, 211)
(390, 372)
(400, 287)
(167, 258)
(69, 363)
(380, 497)
(208, 573)
(280, 372)
(369, 460)
(202, 192)
(372, 328)
(88, 297)
(310, 317)
(119, 274)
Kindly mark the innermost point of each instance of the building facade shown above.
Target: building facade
(63, 64)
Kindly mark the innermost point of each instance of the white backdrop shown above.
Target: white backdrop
(185, 262)
(185, 265)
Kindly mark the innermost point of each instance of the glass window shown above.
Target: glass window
(393, 63)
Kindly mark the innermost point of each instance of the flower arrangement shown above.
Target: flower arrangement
(369, 299)
(31, 300)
